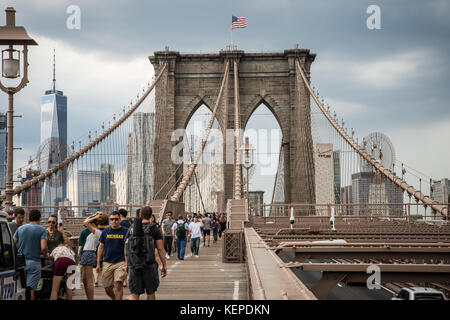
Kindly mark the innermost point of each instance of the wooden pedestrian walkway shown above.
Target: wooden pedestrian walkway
(203, 278)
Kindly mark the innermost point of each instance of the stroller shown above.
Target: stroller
(44, 288)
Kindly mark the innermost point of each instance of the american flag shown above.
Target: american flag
(238, 22)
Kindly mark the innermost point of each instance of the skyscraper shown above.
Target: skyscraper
(337, 176)
(140, 159)
(88, 190)
(31, 197)
(53, 143)
(385, 196)
(324, 173)
(441, 190)
(3, 149)
(107, 182)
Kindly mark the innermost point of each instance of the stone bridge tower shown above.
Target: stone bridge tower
(192, 80)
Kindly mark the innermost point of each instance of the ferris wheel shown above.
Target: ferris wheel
(380, 148)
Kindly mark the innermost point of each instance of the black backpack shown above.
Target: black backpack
(181, 230)
(140, 247)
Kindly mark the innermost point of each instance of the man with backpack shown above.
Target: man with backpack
(144, 242)
(179, 230)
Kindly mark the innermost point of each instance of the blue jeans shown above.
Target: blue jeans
(181, 246)
(195, 245)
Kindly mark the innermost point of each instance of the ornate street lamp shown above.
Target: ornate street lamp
(13, 36)
(247, 151)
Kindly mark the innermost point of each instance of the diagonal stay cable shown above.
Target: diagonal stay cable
(426, 200)
(84, 150)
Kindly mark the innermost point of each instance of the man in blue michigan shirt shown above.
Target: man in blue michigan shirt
(112, 246)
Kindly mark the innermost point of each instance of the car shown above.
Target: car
(419, 293)
(12, 274)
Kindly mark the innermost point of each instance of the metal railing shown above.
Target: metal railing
(391, 211)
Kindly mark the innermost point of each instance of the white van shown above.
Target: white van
(12, 275)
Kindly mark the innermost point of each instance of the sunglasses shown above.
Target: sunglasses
(51, 221)
(114, 219)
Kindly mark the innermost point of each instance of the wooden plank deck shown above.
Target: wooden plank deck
(203, 278)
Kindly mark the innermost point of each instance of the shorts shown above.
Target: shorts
(33, 273)
(61, 265)
(206, 232)
(145, 280)
(89, 258)
(113, 272)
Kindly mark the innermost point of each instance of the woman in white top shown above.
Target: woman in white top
(89, 256)
(64, 257)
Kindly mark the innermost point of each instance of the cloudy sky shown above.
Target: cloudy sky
(394, 80)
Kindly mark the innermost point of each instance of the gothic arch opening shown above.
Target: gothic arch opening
(206, 186)
(266, 177)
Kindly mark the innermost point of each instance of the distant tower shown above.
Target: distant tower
(140, 160)
(53, 142)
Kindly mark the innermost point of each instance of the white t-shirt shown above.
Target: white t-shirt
(92, 241)
(196, 231)
(62, 252)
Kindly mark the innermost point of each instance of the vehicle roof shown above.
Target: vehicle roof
(3, 214)
(422, 290)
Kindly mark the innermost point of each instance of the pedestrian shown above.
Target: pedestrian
(19, 217)
(153, 220)
(167, 225)
(89, 252)
(112, 245)
(81, 242)
(214, 227)
(206, 229)
(31, 240)
(124, 222)
(222, 224)
(179, 230)
(55, 237)
(64, 257)
(143, 246)
(195, 234)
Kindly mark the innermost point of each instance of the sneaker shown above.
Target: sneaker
(196, 256)
(167, 256)
(171, 254)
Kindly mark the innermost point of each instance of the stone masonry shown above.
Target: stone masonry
(270, 78)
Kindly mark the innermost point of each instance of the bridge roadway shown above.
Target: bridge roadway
(203, 278)
(342, 291)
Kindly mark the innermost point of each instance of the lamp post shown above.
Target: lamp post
(11, 36)
(247, 152)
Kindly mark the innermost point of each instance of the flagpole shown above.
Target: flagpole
(231, 32)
